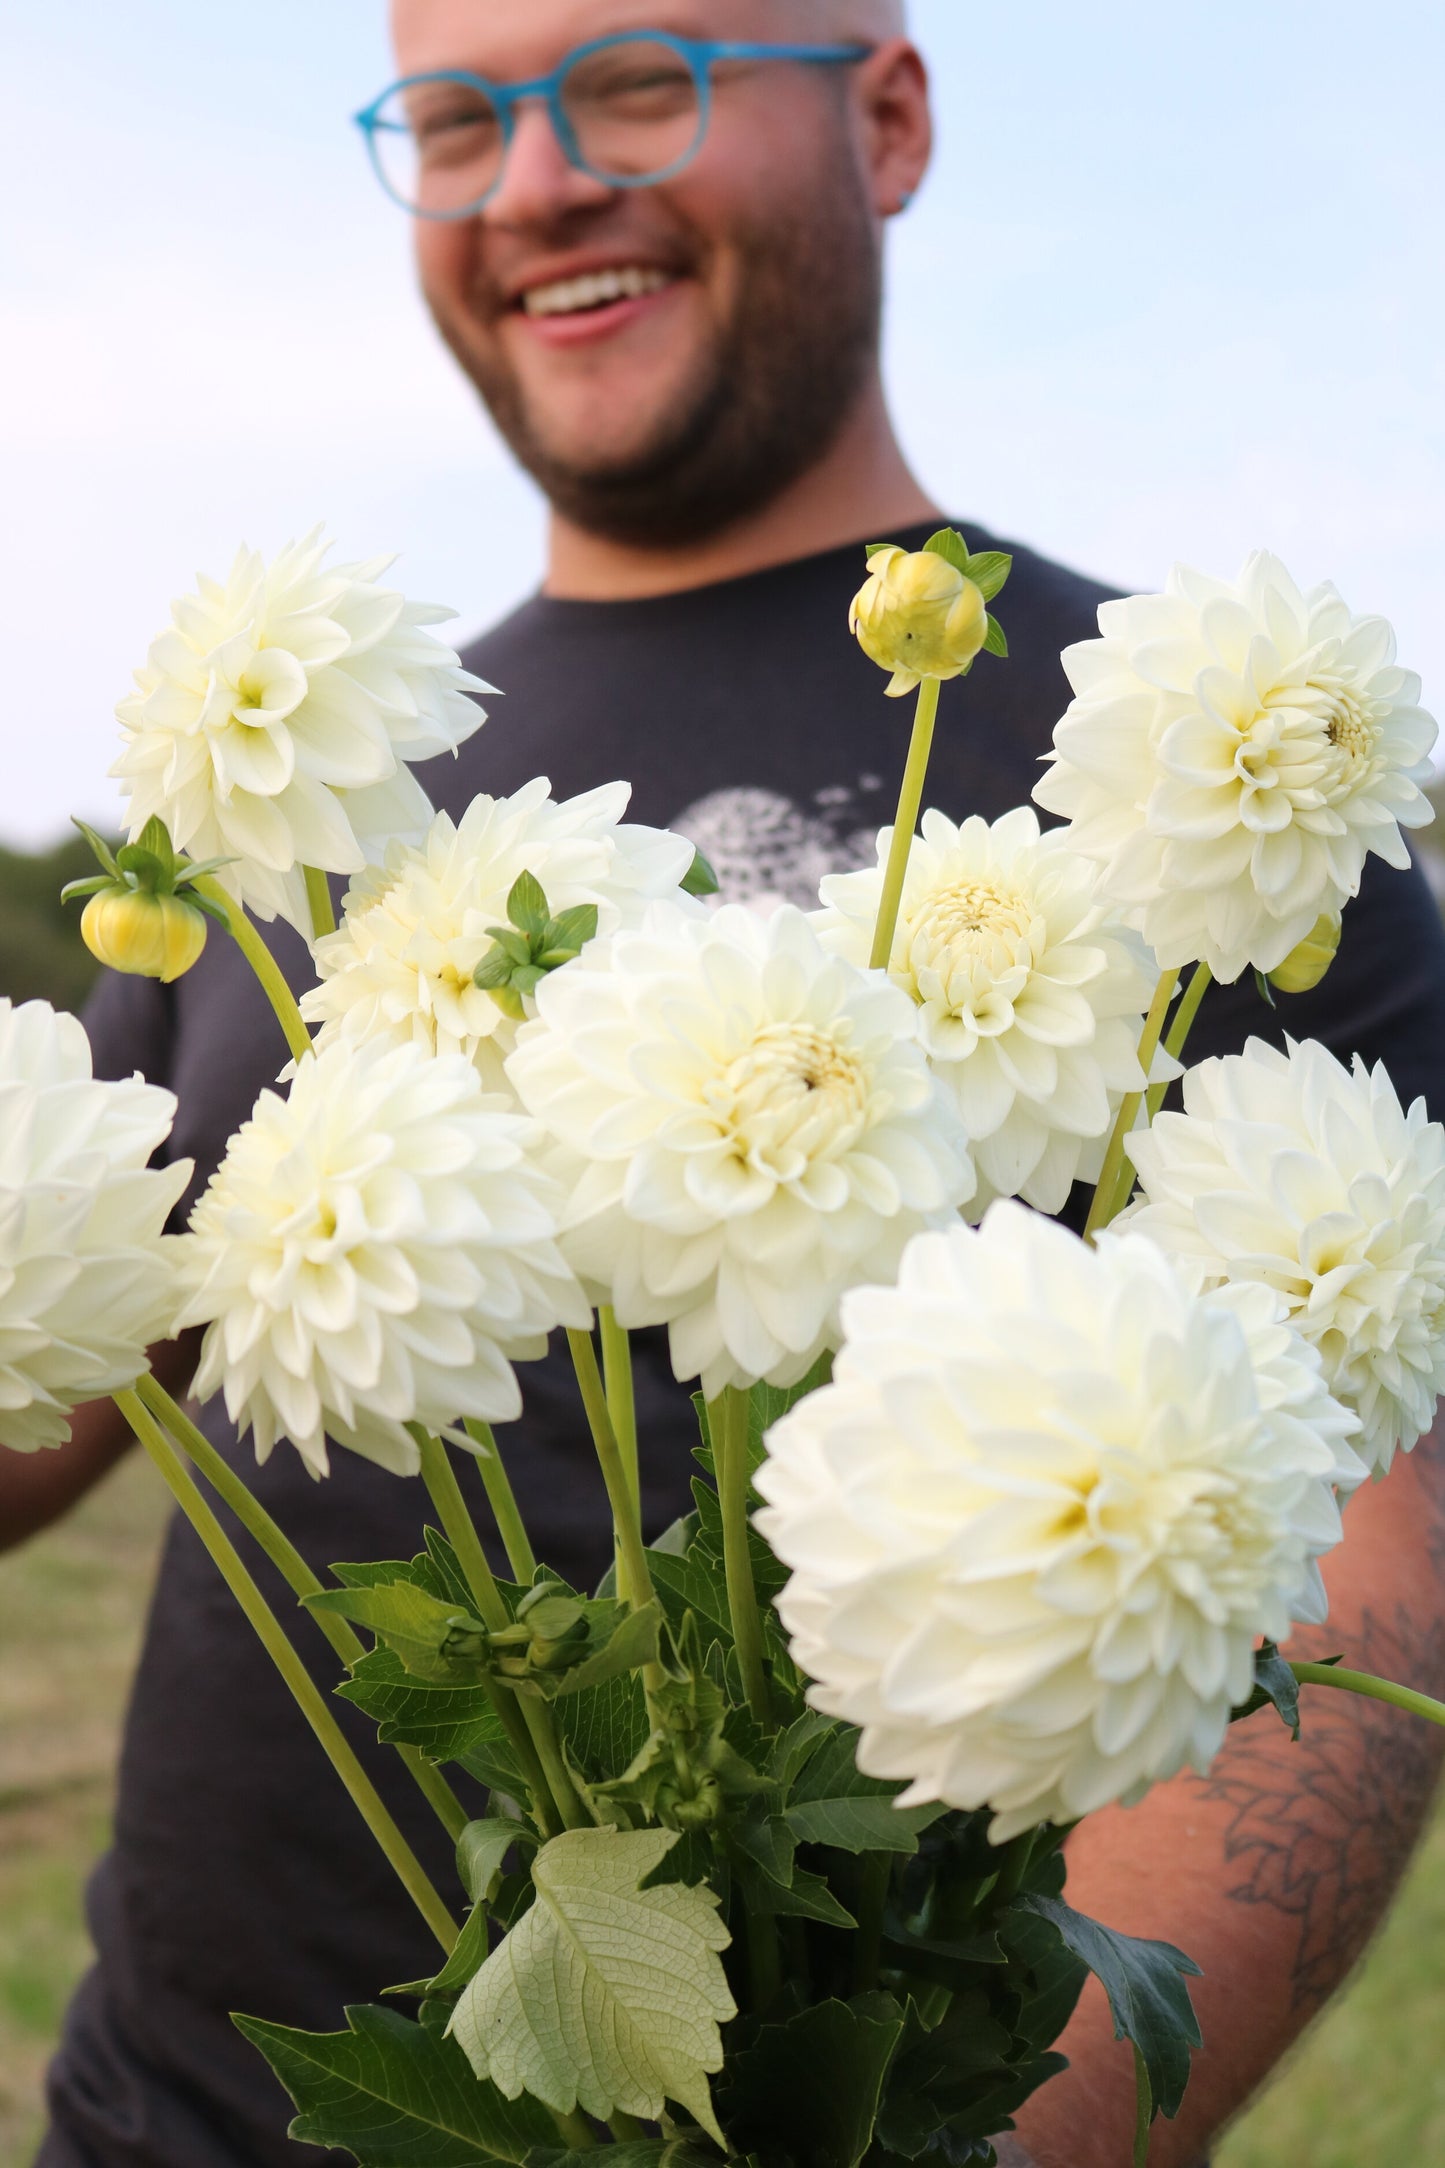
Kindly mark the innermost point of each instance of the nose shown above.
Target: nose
(539, 183)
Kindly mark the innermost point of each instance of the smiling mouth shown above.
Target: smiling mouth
(594, 290)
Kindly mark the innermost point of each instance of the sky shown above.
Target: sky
(1173, 290)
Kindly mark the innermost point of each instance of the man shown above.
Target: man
(690, 370)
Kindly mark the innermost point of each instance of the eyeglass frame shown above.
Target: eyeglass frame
(700, 54)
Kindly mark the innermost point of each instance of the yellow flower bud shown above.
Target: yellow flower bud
(154, 937)
(918, 616)
(1306, 965)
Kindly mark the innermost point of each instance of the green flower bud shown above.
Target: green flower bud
(151, 935)
(1307, 964)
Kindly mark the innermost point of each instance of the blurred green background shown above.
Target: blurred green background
(1363, 2091)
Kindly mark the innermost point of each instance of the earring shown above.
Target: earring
(903, 201)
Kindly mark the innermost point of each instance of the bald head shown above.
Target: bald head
(865, 20)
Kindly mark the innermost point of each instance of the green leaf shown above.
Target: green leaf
(572, 930)
(1148, 1999)
(994, 641)
(527, 904)
(446, 1720)
(604, 1993)
(396, 2095)
(481, 1849)
(871, 549)
(516, 945)
(989, 570)
(1264, 990)
(805, 1897)
(1275, 1686)
(434, 1639)
(832, 1802)
(99, 845)
(699, 879)
(469, 1954)
(146, 870)
(494, 970)
(810, 2088)
(90, 887)
(632, 1645)
(641, 2153)
(949, 543)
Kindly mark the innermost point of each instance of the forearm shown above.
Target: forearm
(38, 1488)
(1273, 1871)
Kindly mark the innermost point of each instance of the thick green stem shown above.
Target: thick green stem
(910, 798)
(1143, 2111)
(550, 1780)
(318, 897)
(620, 1496)
(293, 1570)
(1107, 1201)
(621, 1404)
(308, 1696)
(1200, 982)
(262, 962)
(503, 1501)
(727, 1418)
(625, 2128)
(1364, 1682)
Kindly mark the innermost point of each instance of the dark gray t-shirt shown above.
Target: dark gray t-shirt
(240, 1877)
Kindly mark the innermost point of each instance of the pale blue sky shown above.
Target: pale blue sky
(1173, 290)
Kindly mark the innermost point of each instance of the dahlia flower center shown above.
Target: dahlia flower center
(796, 1089)
(972, 914)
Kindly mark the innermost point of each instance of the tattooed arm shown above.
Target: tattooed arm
(1275, 1870)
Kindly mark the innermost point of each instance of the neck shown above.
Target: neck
(861, 490)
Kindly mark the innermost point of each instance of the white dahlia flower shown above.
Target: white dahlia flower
(275, 717)
(1030, 995)
(1042, 1513)
(415, 929)
(1232, 753)
(1290, 1169)
(376, 1249)
(87, 1278)
(747, 1126)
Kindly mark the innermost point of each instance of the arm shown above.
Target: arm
(37, 1488)
(1273, 1871)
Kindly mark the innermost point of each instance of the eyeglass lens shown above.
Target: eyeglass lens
(633, 109)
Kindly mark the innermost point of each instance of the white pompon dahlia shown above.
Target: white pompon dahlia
(87, 1275)
(415, 929)
(275, 717)
(1233, 751)
(747, 1127)
(1042, 1513)
(1290, 1169)
(1031, 995)
(376, 1249)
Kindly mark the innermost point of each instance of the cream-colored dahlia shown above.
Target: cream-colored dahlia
(1233, 751)
(87, 1275)
(378, 1248)
(276, 715)
(1290, 1169)
(747, 1126)
(1030, 994)
(1042, 1513)
(415, 929)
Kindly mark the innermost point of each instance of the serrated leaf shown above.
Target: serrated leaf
(604, 1727)
(832, 1802)
(699, 879)
(810, 2088)
(604, 1994)
(433, 1638)
(527, 904)
(989, 571)
(1148, 1999)
(444, 1719)
(805, 1896)
(639, 2153)
(994, 640)
(397, 2095)
(633, 1644)
(949, 543)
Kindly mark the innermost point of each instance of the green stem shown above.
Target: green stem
(552, 1781)
(1106, 1203)
(262, 962)
(910, 798)
(620, 1495)
(1143, 2111)
(576, 2131)
(293, 1570)
(318, 897)
(727, 1418)
(307, 1694)
(1200, 982)
(621, 1403)
(625, 2128)
(1364, 1682)
(503, 1501)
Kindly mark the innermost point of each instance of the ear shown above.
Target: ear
(891, 94)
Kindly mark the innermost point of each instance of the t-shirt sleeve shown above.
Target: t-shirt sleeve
(130, 1024)
(1383, 997)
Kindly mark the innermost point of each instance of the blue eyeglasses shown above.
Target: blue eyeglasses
(629, 110)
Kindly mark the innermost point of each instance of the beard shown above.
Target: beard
(768, 400)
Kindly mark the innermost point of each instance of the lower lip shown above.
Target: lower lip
(584, 326)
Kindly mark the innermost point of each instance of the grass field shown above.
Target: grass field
(1358, 2095)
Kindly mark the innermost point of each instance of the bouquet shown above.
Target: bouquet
(996, 1523)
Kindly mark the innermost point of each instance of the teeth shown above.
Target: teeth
(594, 288)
